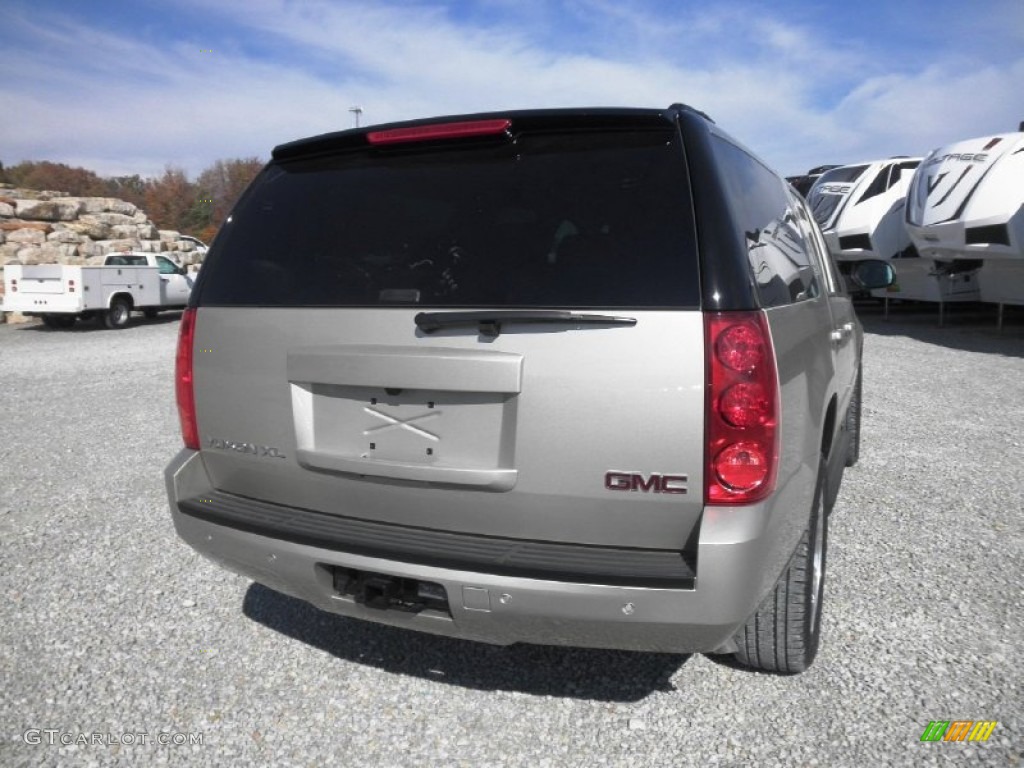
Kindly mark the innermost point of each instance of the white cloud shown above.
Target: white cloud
(118, 104)
(914, 113)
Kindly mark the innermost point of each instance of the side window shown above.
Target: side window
(819, 251)
(878, 185)
(167, 267)
(776, 246)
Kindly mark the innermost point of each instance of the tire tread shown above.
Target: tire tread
(775, 638)
(853, 423)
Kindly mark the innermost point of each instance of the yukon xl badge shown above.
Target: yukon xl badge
(250, 448)
(636, 481)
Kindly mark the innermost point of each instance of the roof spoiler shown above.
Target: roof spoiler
(677, 107)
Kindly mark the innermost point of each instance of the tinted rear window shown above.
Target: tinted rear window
(599, 219)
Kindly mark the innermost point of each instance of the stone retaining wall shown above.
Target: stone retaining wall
(54, 227)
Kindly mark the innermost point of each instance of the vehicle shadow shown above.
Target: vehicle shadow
(95, 324)
(969, 327)
(618, 676)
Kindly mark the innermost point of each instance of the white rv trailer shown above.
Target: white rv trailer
(860, 209)
(966, 202)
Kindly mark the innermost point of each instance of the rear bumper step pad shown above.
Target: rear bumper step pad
(577, 563)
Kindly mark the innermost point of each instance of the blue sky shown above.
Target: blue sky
(132, 87)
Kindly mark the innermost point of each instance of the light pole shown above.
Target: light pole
(357, 111)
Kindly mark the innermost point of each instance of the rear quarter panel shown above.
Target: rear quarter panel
(807, 384)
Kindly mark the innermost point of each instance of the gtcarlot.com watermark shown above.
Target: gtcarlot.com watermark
(54, 737)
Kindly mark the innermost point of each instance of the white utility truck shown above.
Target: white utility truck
(61, 294)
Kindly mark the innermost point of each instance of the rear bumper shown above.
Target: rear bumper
(505, 607)
(47, 304)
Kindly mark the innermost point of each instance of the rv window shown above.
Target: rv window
(842, 175)
(830, 192)
(878, 185)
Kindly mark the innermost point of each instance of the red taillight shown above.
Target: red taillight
(71, 286)
(745, 405)
(183, 380)
(740, 347)
(14, 285)
(742, 409)
(458, 130)
(742, 466)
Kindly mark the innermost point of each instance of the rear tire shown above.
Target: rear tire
(118, 315)
(782, 636)
(853, 424)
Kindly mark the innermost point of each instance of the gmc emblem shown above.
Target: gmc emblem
(635, 481)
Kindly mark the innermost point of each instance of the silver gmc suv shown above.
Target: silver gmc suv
(582, 376)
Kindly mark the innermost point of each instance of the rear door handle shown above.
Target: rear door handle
(838, 334)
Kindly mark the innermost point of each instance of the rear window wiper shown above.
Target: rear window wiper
(490, 322)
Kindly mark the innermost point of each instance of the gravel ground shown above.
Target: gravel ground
(113, 630)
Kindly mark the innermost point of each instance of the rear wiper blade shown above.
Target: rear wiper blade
(490, 322)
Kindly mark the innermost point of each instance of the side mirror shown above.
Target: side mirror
(872, 274)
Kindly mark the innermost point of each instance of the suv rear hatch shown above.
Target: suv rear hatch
(487, 327)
